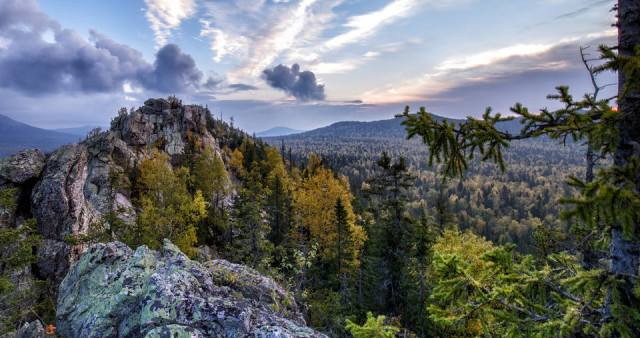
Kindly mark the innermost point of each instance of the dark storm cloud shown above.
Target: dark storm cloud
(173, 71)
(220, 85)
(301, 85)
(242, 87)
(33, 66)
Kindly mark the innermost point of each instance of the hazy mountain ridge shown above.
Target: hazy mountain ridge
(390, 128)
(16, 136)
(80, 131)
(279, 131)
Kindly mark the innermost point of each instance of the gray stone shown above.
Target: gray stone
(158, 104)
(31, 330)
(22, 166)
(113, 291)
(174, 331)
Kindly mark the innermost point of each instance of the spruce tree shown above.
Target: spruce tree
(387, 191)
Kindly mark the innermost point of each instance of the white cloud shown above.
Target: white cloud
(481, 67)
(332, 67)
(166, 15)
(363, 26)
(493, 56)
(604, 34)
(222, 43)
(129, 89)
(256, 36)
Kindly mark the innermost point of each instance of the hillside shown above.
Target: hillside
(16, 136)
(504, 207)
(80, 131)
(278, 131)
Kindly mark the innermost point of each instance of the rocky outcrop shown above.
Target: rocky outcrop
(158, 124)
(69, 189)
(113, 291)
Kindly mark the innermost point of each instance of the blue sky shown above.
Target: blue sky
(296, 63)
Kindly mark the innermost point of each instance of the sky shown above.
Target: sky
(302, 64)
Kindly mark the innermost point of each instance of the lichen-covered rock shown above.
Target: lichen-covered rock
(262, 290)
(22, 166)
(174, 331)
(113, 291)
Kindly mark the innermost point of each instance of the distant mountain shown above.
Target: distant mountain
(16, 136)
(80, 131)
(358, 130)
(278, 131)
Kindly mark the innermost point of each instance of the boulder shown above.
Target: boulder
(22, 166)
(113, 291)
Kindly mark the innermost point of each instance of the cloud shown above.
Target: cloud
(488, 67)
(363, 26)
(173, 71)
(219, 85)
(493, 56)
(301, 85)
(335, 67)
(166, 15)
(242, 86)
(68, 63)
(256, 33)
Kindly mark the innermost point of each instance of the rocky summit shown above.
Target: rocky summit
(113, 291)
(110, 290)
(69, 189)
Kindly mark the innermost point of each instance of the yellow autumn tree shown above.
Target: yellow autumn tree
(236, 163)
(314, 203)
(167, 208)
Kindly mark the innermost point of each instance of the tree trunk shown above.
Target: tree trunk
(625, 253)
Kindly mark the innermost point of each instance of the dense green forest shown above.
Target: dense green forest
(372, 241)
(504, 207)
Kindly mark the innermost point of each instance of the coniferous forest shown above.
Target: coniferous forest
(416, 226)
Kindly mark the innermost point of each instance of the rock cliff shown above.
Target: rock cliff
(68, 190)
(113, 291)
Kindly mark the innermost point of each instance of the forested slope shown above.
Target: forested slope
(503, 207)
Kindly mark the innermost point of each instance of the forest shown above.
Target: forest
(504, 207)
(476, 227)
